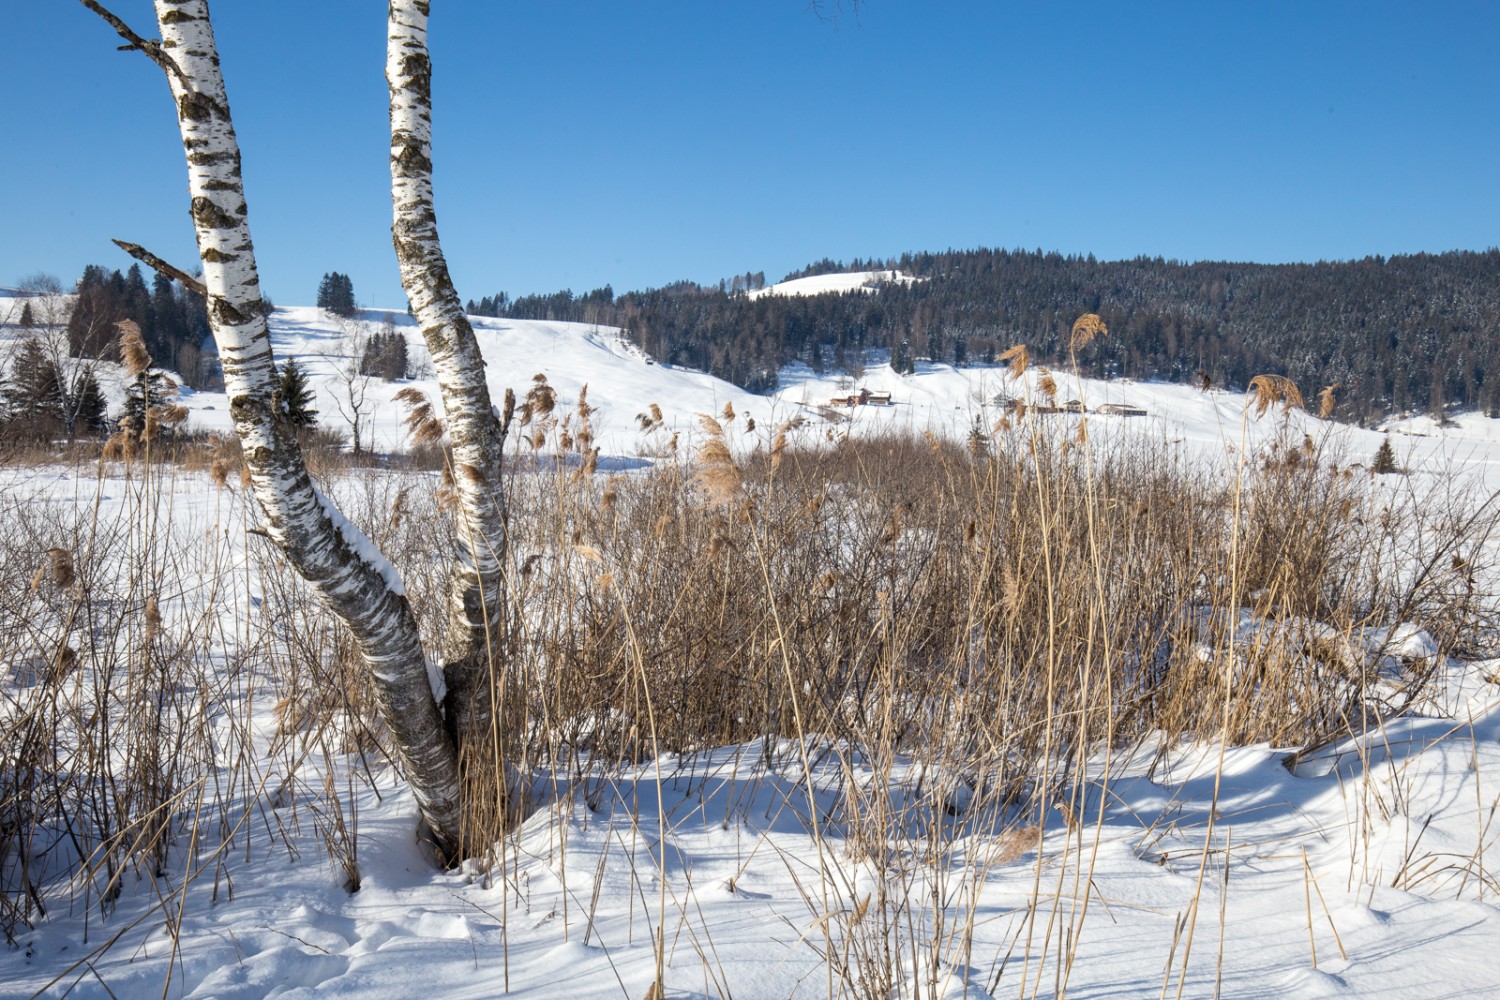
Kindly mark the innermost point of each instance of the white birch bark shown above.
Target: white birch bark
(474, 638)
(357, 583)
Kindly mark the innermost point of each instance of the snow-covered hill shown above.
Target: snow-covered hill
(847, 281)
(622, 382)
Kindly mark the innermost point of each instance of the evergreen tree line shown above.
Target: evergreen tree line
(384, 355)
(173, 322)
(43, 400)
(1398, 334)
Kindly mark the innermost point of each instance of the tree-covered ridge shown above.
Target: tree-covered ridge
(1415, 332)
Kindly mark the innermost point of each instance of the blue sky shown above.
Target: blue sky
(639, 143)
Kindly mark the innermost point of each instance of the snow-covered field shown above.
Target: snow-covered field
(1367, 869)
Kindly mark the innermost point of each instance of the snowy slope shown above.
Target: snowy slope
(819, 284)
(621, 381)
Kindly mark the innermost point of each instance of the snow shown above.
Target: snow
(822, 284)
(1364, 868)
(1372, 834)
(621, 381)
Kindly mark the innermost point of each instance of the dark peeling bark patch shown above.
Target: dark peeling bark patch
(246, 410)
(409, 251)
(412, 159)
(213, 255)
(220, 186)
(176, 17)
(209, 159)
(211, 216)
(194, 106)
(418, 68)
(225, 313)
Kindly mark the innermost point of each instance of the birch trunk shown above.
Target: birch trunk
(474, 638)
(343, 566)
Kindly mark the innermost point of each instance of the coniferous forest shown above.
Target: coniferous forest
(1398, 334)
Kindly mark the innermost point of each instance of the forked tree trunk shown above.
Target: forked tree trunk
(476, 588)
(342, 565)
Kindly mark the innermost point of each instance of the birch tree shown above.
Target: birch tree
(349, 573)
(475, 430)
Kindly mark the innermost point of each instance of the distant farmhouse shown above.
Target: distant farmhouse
(862, 398)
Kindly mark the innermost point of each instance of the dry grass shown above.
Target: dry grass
(956, 629)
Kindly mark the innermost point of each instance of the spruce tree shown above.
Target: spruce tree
(148, 390)
(336, 294)
(296, 396)
(88, 405)
(902, 362)
(1385, 458)
(33, 392)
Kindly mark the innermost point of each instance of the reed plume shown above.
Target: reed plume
(1017, 358)
(1085, 329)
(423, 425)
(132, 348)
(1267, 390)
(717, 474)
(1327, 400)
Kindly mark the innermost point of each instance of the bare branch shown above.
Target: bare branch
(161, 267)
(150, 47)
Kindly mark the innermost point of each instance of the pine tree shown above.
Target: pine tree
(27, 322)
(295, 395)
(979, 439)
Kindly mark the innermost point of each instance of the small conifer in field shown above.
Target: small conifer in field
(1385, 459)
(296, 396)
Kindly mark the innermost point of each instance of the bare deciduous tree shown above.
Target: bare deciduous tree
(353, 397)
